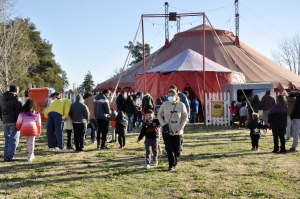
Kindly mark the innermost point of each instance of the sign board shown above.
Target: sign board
(217, 108)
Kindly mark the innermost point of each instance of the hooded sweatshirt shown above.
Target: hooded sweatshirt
(10, 107)
(79, 112)
(177, 120)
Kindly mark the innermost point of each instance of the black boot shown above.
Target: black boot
(282, 149)
(276, 149)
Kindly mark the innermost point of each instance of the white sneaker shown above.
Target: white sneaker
(51, 149)
(63, 150)
(147, 166)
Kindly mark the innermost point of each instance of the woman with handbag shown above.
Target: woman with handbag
(173, 117)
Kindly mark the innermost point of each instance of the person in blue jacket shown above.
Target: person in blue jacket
(195, 108)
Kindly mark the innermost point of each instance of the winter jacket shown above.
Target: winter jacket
(158, 101)
(101, 107)
(29, 124)
(195, 106)
(255, 126)
(243, 111)
(130, 108)
(233, 110)
(267, 102)
(183, 98)
(147, 102)
(90, 103)
(296, 109)
(150, 130)
(177, 120)
(61, 106)
(278, 116)
(290, 102)
(255, 106)
(120, 103)
(10, 107)
(79, 112)
(121, 124)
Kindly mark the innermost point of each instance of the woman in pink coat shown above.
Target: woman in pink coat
(29, 124)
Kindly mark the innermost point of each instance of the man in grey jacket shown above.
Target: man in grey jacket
(80, 115)
(102, 112)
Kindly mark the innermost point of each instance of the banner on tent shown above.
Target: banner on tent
(217, 109)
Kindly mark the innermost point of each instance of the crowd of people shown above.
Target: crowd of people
(170, 112)
(281, 115)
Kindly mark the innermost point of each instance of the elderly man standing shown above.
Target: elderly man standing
(266, 103)
(11, 106)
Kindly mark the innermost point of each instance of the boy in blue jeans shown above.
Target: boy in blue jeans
(150, 129)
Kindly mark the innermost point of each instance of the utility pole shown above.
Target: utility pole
(167, 20)
(237, 22)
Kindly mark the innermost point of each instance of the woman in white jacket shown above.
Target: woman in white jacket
(174, 113)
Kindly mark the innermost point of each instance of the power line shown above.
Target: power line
(259, 30)
(265, 20)
(211, 10)
(107, 55)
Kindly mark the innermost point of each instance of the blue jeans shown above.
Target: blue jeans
(140, 121)
(94, 126)
(55, 125)
(130, 118)
(11, 135)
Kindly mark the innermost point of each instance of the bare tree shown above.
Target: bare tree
(16, 52)
(288, 53)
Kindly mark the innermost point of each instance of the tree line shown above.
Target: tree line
(24, 56)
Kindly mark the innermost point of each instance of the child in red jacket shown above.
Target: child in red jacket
(233, 111)
(29, 124)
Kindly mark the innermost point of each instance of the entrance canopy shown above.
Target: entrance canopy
(188, 61)
(185, 70)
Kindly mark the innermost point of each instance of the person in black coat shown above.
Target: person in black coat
(295, 117)
(130, 110)
(277, 120)
(121, 128)
(121, 101)
(255, 125)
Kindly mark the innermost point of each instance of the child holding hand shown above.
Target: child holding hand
(150, 129)
(29, 124)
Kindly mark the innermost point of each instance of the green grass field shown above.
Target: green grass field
(217, 162)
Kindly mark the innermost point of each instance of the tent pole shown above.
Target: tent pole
(203, 55)
(144, 62)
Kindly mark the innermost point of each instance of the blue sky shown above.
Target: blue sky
(90, 35)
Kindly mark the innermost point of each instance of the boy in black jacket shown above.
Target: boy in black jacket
(150, 129)
(255, 125)
(121, 128)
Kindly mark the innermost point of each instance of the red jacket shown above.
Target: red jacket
(233, 110)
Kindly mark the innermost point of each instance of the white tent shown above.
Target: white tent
(188, 60)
